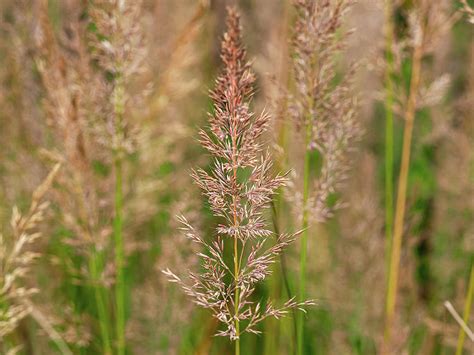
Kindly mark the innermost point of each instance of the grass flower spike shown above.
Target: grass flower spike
(238, 189)
(324, 111)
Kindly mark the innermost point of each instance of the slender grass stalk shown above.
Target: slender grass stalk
(119, 259)
(325, 110)
(394, 266)
(278, 202)
(304, 240)
(120, 37)
(389, 95)
(275, 286)
(284, 268)
(277, 210)
(236, 241)
(236, 300)
(467, 312)
(100, 297)
(48, 328)
(118, 220)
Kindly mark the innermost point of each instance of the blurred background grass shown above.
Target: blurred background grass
(346, 268)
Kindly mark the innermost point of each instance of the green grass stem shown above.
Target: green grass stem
(467, 312)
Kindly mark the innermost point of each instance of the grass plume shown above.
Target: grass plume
(238, 189)
(324, 112)
(16, 260)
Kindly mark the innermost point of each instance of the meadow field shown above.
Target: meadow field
(236, 177)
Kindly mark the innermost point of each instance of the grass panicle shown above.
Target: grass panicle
(325, 113)
(17, 260)
(237, 200)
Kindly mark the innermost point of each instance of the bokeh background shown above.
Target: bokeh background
(44, 46)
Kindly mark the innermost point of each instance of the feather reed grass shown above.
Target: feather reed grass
(428, 22)
(325, 114)
(89, 102)
(16, 260)
(238, 189)
(68, 110)
(74, 76)
(402, 188)
(121, 52)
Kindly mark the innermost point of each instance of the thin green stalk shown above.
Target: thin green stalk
(304, 240)
(388, 128)
(236, 248)
(119, 259)
(281, 273)
(118, 219)
(47, 327)
(100, 301)
(284, 268)
(272, 333)
(278, 206)
(236, 300)
(467, 312)
(395, 252)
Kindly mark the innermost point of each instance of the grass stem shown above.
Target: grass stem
(304, 240)
(101, 303)
(118, 218)
(388, 128)
(395, 251)
(236, 300)
(119, 260)
(236, 246)
(467, 312)
(48, 328)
